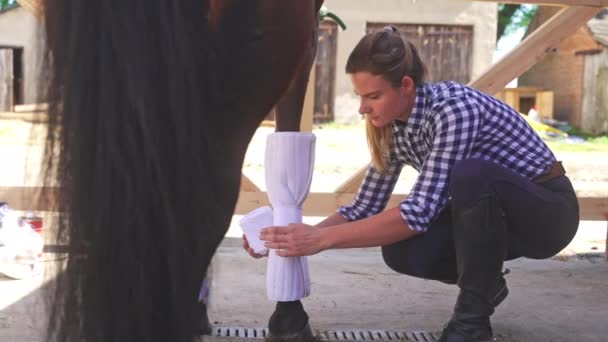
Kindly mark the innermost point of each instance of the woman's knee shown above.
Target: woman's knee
(415, 266)
(395, 259)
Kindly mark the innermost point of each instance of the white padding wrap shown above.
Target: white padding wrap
(252, 223)
(289, 168)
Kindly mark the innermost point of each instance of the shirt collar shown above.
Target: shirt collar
(415, 119)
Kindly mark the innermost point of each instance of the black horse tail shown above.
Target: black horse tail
(130, 92)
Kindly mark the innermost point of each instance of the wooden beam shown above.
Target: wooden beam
(533, 48)
(326, 203)
(248, 185)
(317, 204)
(593, 208)
(592, 3)
(30, 198)
(309, 103)
(354, 182)
(34, 107)
(30, 117)
(34, 6)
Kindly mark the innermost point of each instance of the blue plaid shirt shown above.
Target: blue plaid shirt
(449, 122)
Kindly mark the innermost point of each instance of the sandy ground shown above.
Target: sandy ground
(561, 299)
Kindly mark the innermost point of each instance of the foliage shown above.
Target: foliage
(6, 3)
(512, 17)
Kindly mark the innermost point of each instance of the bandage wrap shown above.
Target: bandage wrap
(289, 167)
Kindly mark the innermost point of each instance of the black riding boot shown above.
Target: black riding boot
(480, 240)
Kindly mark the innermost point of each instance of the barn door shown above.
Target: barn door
(445, 49)
(6, 80)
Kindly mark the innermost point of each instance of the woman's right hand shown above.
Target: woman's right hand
(250, 250)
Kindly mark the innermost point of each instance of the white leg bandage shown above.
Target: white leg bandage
(289, 167)
(252, 223)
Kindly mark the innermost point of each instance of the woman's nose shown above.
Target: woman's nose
(363, 109)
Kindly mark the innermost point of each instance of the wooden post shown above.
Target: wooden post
(544, 104)
(309, 104)
(33, 6)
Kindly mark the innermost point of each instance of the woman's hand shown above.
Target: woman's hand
(297, 239)
(250, 250)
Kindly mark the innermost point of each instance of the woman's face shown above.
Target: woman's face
(380, 100)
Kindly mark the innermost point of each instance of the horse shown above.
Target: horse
(152, 104)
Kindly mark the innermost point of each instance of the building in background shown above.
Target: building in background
(577, 72)
(456, 39)
(19, 62)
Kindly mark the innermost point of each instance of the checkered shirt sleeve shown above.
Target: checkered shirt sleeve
(373, 194)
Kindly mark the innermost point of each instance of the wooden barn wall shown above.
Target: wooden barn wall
(594, 113)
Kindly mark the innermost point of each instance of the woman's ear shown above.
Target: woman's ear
(408, 83)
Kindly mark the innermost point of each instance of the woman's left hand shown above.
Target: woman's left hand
(296, 239)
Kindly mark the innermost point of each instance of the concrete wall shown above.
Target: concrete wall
(18, 28)
(356, 13)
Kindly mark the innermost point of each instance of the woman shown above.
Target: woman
(489, 189)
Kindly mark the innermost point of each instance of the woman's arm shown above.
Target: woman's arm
(378, 230)
(332, 220)
(300, 239)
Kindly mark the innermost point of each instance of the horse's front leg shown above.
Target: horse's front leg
(289, 321)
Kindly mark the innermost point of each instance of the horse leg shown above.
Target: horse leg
(266, 63)
(289, 321)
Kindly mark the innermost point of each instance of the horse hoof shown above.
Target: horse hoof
(304, 335)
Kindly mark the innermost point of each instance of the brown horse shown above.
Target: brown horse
(152, 104)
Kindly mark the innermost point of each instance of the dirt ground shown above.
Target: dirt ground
(561, 299)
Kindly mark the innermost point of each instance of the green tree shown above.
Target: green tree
(6, 3)
(511, 17)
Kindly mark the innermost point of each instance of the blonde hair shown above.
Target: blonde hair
(388, 54)
(379, 142)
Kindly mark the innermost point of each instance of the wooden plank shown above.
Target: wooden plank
(6, 80)
(30, 198)
(354, 182)
(309, 104)
(29, 117)
(33, 6)
(533, 48)
(323, 204)
(592, 3)
(248, 185)
(33, 107)
(544, 104)
(512, 99)
(593, 208)
(317, 204)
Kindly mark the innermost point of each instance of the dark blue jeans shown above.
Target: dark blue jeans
(541, 219)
